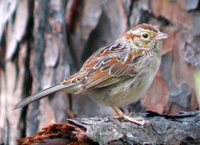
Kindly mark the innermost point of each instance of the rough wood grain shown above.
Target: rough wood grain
(161, 130)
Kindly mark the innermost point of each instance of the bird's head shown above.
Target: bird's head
(145, 36)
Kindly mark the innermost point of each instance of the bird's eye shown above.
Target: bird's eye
(145, 35)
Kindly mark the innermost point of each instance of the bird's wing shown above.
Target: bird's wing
(109, 73)
(109, 66)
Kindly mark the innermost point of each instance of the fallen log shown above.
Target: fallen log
(180, 129)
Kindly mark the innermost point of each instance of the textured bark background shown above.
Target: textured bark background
(44, 41)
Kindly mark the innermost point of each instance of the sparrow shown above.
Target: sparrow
(117, 74)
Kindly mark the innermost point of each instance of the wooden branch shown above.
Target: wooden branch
(183, 128)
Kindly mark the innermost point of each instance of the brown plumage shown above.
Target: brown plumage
(116, 74)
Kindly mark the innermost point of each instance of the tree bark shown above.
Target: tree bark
(43, 42)
(159, 129)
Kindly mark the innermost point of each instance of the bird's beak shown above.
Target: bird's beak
(161, 36)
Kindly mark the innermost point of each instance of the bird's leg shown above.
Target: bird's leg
(138, 121)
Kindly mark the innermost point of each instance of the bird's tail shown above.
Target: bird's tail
(44, 93)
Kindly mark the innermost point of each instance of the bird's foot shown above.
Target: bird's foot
(122, 115)
(138, 121)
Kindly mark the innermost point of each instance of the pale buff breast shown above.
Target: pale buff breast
(127, 91)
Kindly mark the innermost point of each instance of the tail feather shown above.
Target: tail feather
(42, 94)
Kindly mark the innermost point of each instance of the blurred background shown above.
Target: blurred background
(42, 42)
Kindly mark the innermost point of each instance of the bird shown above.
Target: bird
(117, 74)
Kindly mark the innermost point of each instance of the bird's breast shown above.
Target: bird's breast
(125, 92)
